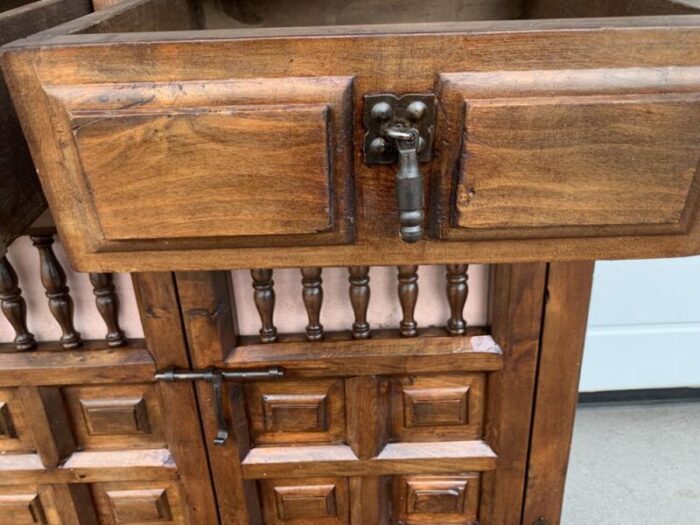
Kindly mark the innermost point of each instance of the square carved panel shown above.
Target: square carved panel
(21, 506)
(116, 416)
(321, 501)
(14, 433)
(436, 499)
(437, 407)
(296, 411)
(123, 503)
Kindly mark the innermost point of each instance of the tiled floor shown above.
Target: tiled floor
(635, 465)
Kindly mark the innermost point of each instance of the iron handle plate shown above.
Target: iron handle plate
(400, 130)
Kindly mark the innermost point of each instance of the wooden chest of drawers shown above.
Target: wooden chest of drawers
(442, 133)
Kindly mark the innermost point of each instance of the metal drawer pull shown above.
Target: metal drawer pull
(217, 377)
(400, 129)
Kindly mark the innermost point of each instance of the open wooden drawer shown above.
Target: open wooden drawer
(162, 144)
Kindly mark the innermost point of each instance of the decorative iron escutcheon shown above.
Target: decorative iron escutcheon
(217, 377)
(401, 129)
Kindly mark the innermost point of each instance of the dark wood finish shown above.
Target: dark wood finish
(49, 423)
(312, 294)
(629, 75)
(457, 292)
(359, 298)
(408, 296)
(211, 333)
(382, 354)
(517, 299)
(22, 200)
(14, 307)
(53, 277)
(165, 335)
(107, 303)
(513, 180)
(563, 335)
(264, 296)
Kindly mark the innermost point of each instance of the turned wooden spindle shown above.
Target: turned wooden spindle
(107, 303)
(359, 297)
(265, 303)
(457, 292)
(54, 280)
(408, 295)
(312, 293)
(13, 306)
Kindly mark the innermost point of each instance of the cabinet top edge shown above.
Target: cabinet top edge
(68, 38)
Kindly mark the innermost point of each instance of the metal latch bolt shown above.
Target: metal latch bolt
(217, 377)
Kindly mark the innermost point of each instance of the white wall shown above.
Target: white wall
(644, 325)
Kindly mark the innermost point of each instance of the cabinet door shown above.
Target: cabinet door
(553, 140)
(87, 437)
(371, 426)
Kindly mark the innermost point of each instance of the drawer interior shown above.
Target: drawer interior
(161, 15)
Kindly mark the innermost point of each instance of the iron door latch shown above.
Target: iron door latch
(401, 129)
(217, 377)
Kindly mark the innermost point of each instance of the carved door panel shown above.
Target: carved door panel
(90, 438)
(371, 426)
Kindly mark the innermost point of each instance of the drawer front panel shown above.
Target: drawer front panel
(220, 173)
(205, 164)
(572, 153)
(579, 140)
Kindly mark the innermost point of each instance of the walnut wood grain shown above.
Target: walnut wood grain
(563, 335)
(359, 298)
(209, 317)
(162, 321)
(107, 302)
(74, 75)
(264, 296)
(516, 302)
(312, 293)
(379, 355)
(457, 292)
(53, 277)
(14, 307)
(408, 296)
(22, 199)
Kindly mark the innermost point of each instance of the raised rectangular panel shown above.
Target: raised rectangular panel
(570, 152)
(210, 164)
(116, 416)
(138, 502)
(436, 406)
(231, 172)
(133, 506)
(322, 501)
(296, 411)
(450, 406)
(436, 499)
(21, 508)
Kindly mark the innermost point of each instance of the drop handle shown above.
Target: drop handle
(409, 184)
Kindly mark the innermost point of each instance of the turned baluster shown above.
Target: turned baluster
(14, 307)
(408, 295)
(457, 292)
(107, 303)
(264, 296)
(54, 280)
(312, 293)
(359, 297)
